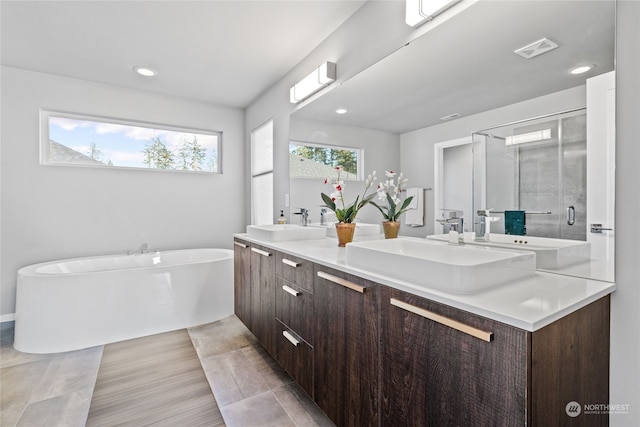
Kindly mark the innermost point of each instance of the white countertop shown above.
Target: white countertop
(529, 304)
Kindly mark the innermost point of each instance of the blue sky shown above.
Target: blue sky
(122, 144)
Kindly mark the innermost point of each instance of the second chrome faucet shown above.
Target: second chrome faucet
(455, 221)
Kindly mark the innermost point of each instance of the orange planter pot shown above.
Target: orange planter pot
(345, 231)
(391, 229)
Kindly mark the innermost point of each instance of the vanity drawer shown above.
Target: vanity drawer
(294, 307)
(295, 270)
(295, 356)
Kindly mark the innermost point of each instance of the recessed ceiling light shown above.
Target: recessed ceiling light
(144, 71)
(341, 111)
(581, 69)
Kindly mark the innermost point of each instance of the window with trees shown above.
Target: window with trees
(81, 140)
(308, 160)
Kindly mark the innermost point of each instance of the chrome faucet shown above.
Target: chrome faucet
(323, 216)
(304, 216)
(482, 225)
(456, 223)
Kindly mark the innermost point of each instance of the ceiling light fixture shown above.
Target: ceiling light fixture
(420, 11)
(539, 135)
(581, 69)
(144, 71)
(341, 111)
(323, 76)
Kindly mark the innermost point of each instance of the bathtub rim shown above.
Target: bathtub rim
(32, 269)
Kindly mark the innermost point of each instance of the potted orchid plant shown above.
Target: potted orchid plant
(346, 212)
(390, 190)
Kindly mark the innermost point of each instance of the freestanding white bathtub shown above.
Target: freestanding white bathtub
(83, 302)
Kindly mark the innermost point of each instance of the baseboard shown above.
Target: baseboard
(7, 317)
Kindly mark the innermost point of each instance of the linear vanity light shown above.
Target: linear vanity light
(539, 135)
(420, 11)
(324, 75)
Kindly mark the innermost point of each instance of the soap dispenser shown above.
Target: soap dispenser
(281, 218)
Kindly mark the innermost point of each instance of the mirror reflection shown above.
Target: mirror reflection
(421, 109)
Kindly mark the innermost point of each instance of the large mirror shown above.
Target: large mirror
(421, 107)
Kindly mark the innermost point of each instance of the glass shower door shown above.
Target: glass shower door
(535, 170)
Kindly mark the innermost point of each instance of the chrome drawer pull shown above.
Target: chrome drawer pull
(291, 338)
(485, 336)
(242, 245)
(340, 281)
(261, 252)
(289, 290)
(290, 263)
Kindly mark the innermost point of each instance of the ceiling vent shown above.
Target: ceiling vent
(536, 48)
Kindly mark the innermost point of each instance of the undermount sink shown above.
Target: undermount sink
(551, 254)
(362, 229)
(460, 269)
(283, 232)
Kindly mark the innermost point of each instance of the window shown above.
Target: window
(262, 174)
(308, 160)
(74, 139)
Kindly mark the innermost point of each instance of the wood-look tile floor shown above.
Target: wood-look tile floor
(249, 386)
(155, 380)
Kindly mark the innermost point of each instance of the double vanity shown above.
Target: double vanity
(414, 331)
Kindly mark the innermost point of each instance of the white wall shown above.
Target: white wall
(625, 302)
(417, 152)
(54, 212)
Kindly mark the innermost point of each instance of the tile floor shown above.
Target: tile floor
(250, 387)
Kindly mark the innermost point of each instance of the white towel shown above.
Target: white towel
(415, 214)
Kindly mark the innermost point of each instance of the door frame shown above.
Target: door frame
(438, 175)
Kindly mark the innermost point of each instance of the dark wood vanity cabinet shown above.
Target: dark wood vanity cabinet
(242, 280)
(346, 347)
(373, 355)
(436, 374)
(444, 366)
(295, 355)
(263, 286)
(295, 318)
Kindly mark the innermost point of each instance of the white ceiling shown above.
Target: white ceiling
(221, 52)
(467, 65)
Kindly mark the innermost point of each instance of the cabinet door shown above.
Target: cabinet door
(263, 313)
(443, 366)
(295, 356)
(242, 280)
(346, 348)
(294, 308)
(295, 270)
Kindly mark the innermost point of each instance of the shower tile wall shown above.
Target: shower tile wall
(552, 177)
(542, 176)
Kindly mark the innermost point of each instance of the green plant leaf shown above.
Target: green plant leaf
(328, 202)
(380, 209)
(406, 203)
(392, 208)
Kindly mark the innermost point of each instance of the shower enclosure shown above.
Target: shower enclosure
(534, 170)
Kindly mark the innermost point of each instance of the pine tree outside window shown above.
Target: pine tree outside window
(307, 160)
(81, 140)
